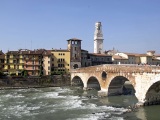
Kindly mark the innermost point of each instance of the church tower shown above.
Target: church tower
(98, 38)
(74, 46)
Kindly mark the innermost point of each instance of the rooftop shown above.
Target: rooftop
(74, 39)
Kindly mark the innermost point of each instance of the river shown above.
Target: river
(70, 103)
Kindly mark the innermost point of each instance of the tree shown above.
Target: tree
(24, 73)
(1, 73)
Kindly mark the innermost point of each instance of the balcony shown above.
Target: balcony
(30, 64)
(31, 69)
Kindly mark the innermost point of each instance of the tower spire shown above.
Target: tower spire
(98, 38)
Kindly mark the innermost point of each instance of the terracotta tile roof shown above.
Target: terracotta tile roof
(34, 52)
(47, 52)
(29, 52)
(96, 54)
(13, 52)
(119, 57)
(154, 59)
(135, 54)
(157, 55)
(59, 50)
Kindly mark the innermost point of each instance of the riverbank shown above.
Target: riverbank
(15, 82)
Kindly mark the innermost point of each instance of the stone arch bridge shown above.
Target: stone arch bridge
(144, 79)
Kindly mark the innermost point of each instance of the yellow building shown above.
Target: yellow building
(60, 61)
(14, 62)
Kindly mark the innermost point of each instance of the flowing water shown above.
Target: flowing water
(69, 103)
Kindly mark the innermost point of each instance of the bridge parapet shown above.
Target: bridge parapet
(111, 68)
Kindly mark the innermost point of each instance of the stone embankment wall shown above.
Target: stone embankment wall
(31, 82)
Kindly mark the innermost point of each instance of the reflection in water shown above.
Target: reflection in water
(141, 114)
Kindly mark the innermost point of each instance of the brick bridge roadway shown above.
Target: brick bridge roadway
(144, 79)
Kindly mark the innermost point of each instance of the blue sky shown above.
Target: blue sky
(128, 25)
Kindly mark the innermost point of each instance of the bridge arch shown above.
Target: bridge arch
(121, 85)
(152, 96)
(93, 82)
(77, 81)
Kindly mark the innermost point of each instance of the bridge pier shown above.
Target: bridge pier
(103, 92)
(85, 88)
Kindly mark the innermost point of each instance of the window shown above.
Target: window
(14, 61)
(63, 53)
(75, 48)
(48, 67)
(48, 62)
(52, 59)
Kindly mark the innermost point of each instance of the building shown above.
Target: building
(117, 59)
(85, 59)
(2, 58)
(60, 63)
(98, 59)
(156, 59)
(74, 46)
(47, 62)
(14, 62)
(134, 58)
(98, 38)
(33, 61)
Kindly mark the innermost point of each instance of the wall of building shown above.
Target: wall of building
(47, 60)
(60, 61)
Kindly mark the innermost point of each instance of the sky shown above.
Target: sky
(128, 25)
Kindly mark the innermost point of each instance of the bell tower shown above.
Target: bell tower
(74, 46)
(98, 38)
